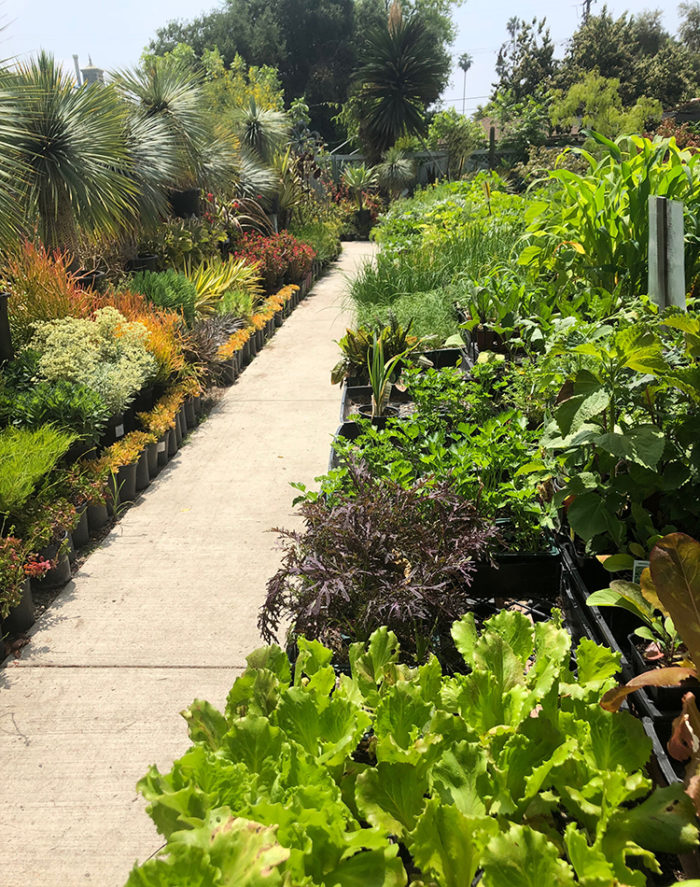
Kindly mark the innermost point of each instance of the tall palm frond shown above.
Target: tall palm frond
(74, 149)
(172, 93)
(401, 73)
(14, 173)
(153, 164)
(261, 130)
(252, 179)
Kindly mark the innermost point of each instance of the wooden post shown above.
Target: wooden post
(666, 252)
(492, 147)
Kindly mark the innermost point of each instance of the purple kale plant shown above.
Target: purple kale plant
(379, 554)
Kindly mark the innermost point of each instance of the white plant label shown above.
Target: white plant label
(119, 431)
(161, 446)
(637, 569)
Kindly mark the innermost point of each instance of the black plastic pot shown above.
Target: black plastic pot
(177, 431)
(184, 203)
(516, 574)
(21, 617)
(97, 516)
(115, 429)
(123, 484)
(81, 533)
(259, 339)
(143, 477)
(6, 350)
(363, 223)
(668, 700)
(173, 442)
(190, 414)
(58, 575)
(90, 279)
(78, 450)
(164, 447)
(227, 371)
(182, 419)
(147, 262)
(152, 459)
(447, 357)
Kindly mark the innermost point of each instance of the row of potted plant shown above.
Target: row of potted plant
(55, 510)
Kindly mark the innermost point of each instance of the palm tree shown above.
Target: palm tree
(73, 148)
(465, 62)
(402, 72)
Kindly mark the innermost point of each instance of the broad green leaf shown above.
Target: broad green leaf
(272, 658)
(401, 714)
(465, 636)
(674, 564)
(329, 728)
(663, 823)
(522, 857)
(246, 853)
(516, 630)
(368, 665)
(459, 777)
(448, 845)
(189, 867)
(373, 868)
(391, 796)
(172, 802)
(552, 651)
(252, 740)
(204, 723)
(616, 740)
(643, 444)
(590, 863)
(618, 562)
(255, 692)
(595, 663)
(589, 517)
(626, 595)
(580, 409)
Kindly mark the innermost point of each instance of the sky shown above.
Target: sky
(115, 33)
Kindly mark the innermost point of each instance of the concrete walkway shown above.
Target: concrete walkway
(163, 612)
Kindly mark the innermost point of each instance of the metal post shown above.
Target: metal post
(666, 252)
(492, 147)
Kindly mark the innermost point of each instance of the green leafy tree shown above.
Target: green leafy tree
(456, 134)
(525, 62)
(595, 103)
(689, 31)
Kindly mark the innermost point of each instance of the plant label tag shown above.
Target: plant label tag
(161, 446)
(637, 569)
(119, 431)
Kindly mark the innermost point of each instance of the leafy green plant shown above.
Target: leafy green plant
(510, 774)
(168, 289)
(359, 178)
(358, 345)
(380, 373)
(66, 405)
(212, 281)
(596, 226)
(27, 458)
(107, 353)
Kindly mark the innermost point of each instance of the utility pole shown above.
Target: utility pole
(587, 9)
(465, 63)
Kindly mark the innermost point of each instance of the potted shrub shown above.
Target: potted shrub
(122, 460)
(17, 567)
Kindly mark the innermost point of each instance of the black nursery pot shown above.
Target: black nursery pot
(123, 484)
(21, 617)
(60, 574)
(173, 441)
(143, 476)
(164, 448)
(148, 262)
(115, 429)
(81, 533)
(184, 204)
(190, 414)
(152, 459)
(97, 516)
(515, 574)
(143, 402)
(668, 700)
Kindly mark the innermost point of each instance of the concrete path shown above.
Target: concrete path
(163, 612)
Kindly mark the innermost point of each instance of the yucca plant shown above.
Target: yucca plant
(215, 279)
(395, 172)
(381, 374)
(72, 146)
(358, 179)
(262, 132)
